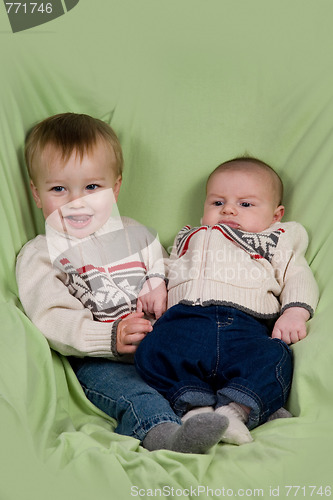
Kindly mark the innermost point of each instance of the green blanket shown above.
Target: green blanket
(186, 84)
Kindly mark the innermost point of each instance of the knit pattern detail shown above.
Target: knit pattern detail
(110, 293)
(106, 272)
(257, 245)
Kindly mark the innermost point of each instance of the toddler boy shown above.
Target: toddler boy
(87, 283)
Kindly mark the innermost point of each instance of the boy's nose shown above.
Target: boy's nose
(76, 202)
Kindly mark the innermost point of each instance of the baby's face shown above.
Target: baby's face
(241, 199)
(76, 196)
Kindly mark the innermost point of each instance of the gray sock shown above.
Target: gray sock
(197, 435)
(281, 413)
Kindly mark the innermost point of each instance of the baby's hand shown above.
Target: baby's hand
(291, 325)
(130, 331)
(153, 298)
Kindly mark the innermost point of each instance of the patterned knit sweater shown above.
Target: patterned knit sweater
(260, 273)
(66, 284)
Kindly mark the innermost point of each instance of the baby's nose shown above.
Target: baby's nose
(229, 208)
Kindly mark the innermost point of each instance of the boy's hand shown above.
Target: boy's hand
(291, 325)
(130, 331)
(153, 298)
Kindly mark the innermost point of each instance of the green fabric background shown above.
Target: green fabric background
(186, 85)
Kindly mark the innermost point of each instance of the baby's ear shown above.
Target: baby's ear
(278, 213)
(35, 194)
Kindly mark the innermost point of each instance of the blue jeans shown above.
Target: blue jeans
(210, 356)
(117, 389)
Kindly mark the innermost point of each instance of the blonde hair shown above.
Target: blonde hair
(70, 132)
(235, 164)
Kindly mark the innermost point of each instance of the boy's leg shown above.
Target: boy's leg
(178, 358)
(140, 411)
(117, 389)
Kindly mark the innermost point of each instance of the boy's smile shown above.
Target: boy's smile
(76, 195)
(76, 220)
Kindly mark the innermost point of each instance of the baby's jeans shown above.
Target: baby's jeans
(117, 390)
(210, 356)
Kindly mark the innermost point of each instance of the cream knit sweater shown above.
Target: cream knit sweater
(259, 273)
(76, 291)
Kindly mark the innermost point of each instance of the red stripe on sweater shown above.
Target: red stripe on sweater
(113, 320)
(120, 267)
(187, 242)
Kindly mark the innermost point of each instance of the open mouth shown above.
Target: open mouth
(78, 221)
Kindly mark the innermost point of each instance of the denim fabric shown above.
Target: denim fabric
(203, 356)
(117, 389)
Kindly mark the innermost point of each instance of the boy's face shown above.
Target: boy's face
(242, 199)
(76, 195)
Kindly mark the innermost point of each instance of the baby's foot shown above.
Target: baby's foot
(280, 413)
(237, 432)
(196, 411)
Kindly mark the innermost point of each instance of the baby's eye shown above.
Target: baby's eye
(218, 203)
(58, 189)
(92, 187)
(246, 204)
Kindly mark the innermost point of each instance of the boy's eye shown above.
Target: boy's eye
(218, 203)
(57, 189)
(92, 187)
(246, 204)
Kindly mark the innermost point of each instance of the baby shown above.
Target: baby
(239, 291)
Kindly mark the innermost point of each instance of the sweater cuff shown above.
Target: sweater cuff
(124, 358)
(114, 351)
(298, 304)
(153, 275)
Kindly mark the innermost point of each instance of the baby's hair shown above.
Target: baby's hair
(70, 132)
(234, 164)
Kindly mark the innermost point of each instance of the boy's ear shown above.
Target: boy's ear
(35, 194)
(278, 213)
(116, 187)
